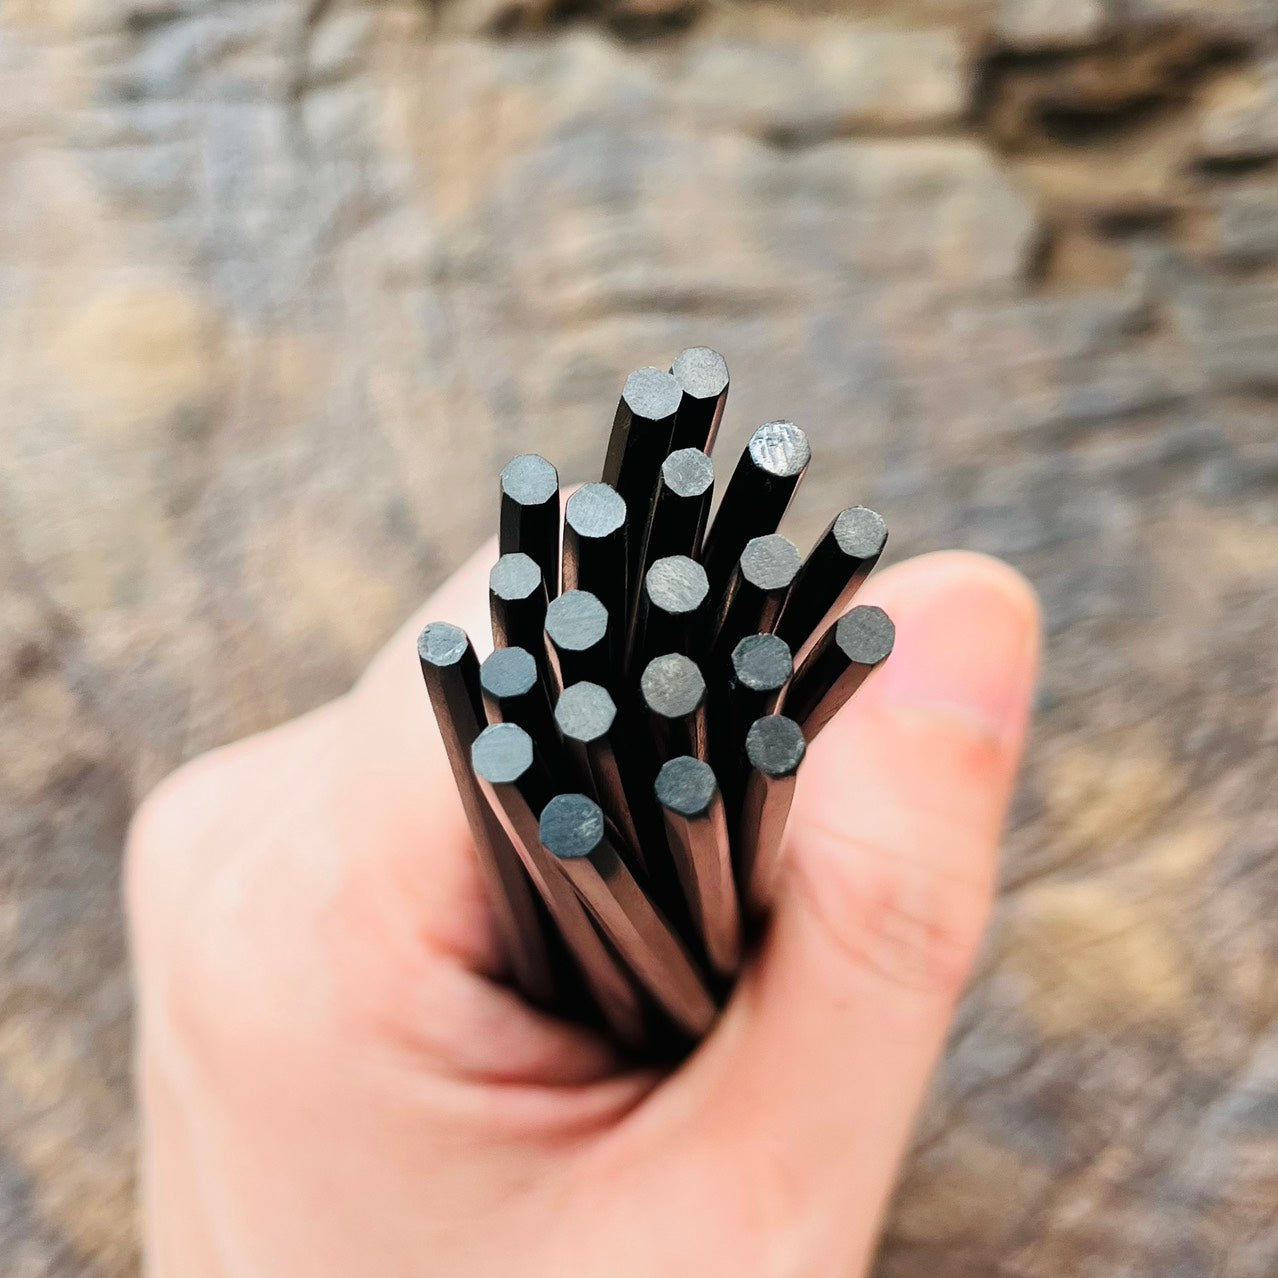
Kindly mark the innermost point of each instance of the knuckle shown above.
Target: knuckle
(900, 920)
(163, 829)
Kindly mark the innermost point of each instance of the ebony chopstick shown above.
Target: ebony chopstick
(702, 375)
(674, 610)
(774, 749)
(585, 715)
(595, 555)
(655, 683)
(517, 602)
(514, 692)
(697, 832)
(572, 830)
(505, 767)
(451, 672)
(577, 639)
(681, 506)
(756, 592)
(833, 572)
(673, 691)
(843, 658)
(757, 495)
(529, 518)
(639, 444)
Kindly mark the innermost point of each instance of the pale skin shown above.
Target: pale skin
(333, 1085)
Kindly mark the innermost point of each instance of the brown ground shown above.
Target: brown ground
(284, 283)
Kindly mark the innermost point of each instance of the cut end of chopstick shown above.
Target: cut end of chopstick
(686, 786)
(572, 826)
(781, 449)
(866, 635)
(775, 746)
(442, 644)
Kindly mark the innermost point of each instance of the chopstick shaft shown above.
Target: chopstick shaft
(702, 375)
(517, 602)
(681, 507)
(833, 572)
(774, 748)
(697, 832)
(761, 668)
(529, 519)
(757, 495)
(840, 662)
(578, 629)
(637, 446)
(674, 611)
(585, 716)
(503, 760)
(673, 690)
(573, 831)
(595, 553)
(514, 692)
(451, 673)
(755, 595)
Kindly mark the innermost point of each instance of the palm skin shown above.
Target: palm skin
(333, 1086)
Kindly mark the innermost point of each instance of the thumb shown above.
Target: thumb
(807, 1092)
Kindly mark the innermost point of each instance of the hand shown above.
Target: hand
(332, 1084)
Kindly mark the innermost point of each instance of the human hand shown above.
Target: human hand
(333, 1087)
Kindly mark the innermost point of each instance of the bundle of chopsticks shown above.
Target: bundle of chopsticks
(627, 756)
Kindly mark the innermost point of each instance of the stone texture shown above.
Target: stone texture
(1245, 223)
(1050, 24)
(1241, 119)
(260, 263)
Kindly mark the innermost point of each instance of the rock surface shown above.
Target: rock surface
(1013, 264)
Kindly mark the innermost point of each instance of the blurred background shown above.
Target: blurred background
(283, 283)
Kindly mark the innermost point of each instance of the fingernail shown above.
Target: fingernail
(968, 648)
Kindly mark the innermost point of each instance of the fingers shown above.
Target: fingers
(810, 1085)
(392, 794)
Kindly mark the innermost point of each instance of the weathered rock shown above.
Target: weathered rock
(1240, 18)
(809, 82)
(1050, 24)
(1241, 120)
(1245, 223)
(260, 264)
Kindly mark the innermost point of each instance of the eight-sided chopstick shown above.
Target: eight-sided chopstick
(673, 691)
(595, 556)
(517, 602)
(577, 638)
(688, 670)
(573, 831)
(585, 715)
(529, 520)
(697, 831)
(451, 671)
(505, 766)
(757, 495)
(514, 692)
(774, 748)
(833, 572)
(681, 507)
(840, 662)
(674, 610)
(761, 669)
(639, 444)
(756, 593)
(702, 375)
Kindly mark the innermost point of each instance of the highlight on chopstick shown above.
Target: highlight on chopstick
(627, 756)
